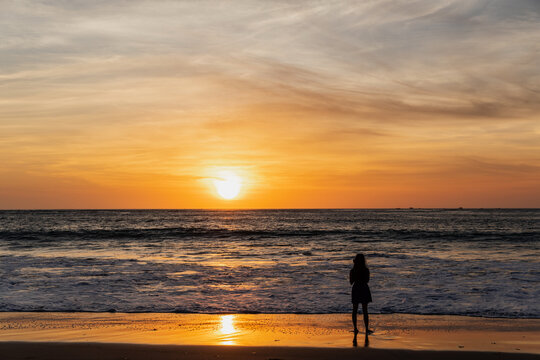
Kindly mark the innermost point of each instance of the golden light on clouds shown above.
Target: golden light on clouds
(339, 104)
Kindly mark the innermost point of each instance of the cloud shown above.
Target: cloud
(147, 87)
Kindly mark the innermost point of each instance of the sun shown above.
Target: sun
(227, 184)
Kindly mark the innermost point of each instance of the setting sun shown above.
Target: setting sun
(228, 184)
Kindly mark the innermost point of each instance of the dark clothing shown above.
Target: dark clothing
(359, 279)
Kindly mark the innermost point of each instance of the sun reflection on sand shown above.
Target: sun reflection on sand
(393, 331)
(227, 330)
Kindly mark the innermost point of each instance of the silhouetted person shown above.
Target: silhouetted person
(359, 278)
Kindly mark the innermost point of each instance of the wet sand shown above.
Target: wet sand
(207, 335)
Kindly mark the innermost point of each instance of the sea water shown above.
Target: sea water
(422, 261)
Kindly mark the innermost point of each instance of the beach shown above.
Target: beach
(264, 336)
(57, 351)
(268, 284)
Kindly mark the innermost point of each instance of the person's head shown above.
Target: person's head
(360, 261)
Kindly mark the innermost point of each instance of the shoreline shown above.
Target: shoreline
(392, 331)
(254, 313)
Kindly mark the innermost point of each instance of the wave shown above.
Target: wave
(202, 232)
(476, 264)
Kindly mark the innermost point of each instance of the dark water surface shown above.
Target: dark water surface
(468, 262)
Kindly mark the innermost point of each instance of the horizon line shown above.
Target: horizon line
(258, 209)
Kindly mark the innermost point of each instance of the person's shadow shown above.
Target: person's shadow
(355, 340)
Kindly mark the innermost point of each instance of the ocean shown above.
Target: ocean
(482, 262)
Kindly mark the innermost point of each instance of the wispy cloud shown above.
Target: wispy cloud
(123, 90)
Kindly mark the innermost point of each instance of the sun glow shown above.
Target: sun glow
(227, 184)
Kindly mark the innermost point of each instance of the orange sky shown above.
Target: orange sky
(378, 104)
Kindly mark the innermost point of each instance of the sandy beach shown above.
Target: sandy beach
(264, 336)
(83, 351)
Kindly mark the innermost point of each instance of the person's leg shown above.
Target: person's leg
(354, 316)
(366, 316)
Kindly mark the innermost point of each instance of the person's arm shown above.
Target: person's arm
(351, 280)
(367, 277)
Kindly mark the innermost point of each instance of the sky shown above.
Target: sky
(312, 104)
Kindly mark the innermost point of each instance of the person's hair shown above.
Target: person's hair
(360, 261)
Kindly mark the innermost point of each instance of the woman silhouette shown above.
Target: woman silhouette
(359, 278)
